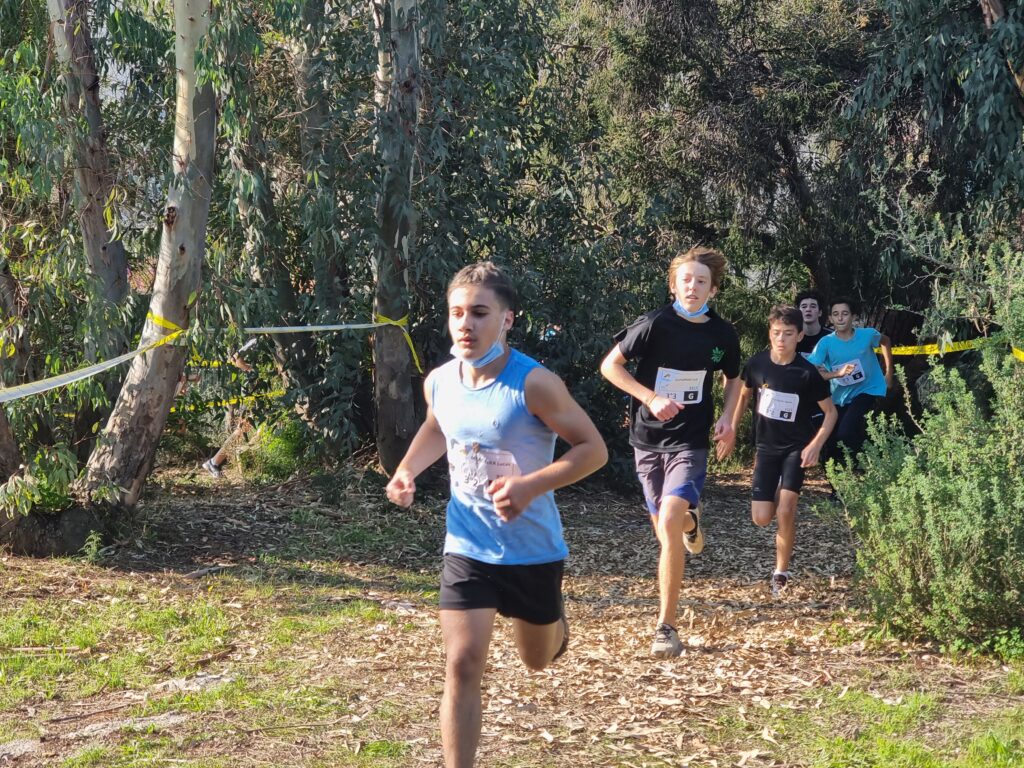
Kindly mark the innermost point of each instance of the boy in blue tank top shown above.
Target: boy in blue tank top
(496, 413)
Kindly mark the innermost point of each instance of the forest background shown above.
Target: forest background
(172, 173)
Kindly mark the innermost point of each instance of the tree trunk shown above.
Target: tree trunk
(105, 254)
(126, 450)
(10, 455)
(993, 11)
(93, 184)
(397, 115)
(813, 256)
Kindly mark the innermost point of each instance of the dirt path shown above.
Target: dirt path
(757, 674)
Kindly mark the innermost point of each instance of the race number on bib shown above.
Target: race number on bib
(856, 377)
(780, 406)
(685, 387)
(473, 468)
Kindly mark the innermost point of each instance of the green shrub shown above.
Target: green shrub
(276, 452)
(940, 515)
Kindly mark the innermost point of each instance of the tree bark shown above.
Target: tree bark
(993, 11)
(93, 181)
(126, 450)
(397, 116)
(812, 256)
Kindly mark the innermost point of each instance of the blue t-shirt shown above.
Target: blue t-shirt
(867, 377)
(490, 432)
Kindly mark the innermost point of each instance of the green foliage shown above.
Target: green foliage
(938, 514)
(277, 451)
(43, 486)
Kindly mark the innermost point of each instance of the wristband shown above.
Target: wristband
(651, 399)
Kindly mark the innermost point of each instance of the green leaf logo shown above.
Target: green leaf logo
(717, 354)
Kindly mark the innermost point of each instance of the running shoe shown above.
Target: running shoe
(212, 468)
(666, 642)
(780, 580)
(694, 540)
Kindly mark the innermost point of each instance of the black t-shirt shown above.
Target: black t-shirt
(807, 344)
(677, 358)
(787, 399)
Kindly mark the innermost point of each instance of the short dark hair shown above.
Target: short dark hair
(810, 293)
(853, 304)
(489, 275)
(787, 316)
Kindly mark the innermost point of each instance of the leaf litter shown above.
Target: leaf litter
(746, 657)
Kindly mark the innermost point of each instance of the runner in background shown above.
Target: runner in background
(812, 309)
(215, 464)
(787, 391)
(847, 359)
(677, 349)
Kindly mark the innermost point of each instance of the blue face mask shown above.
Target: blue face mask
(497, 350)
(677, 305)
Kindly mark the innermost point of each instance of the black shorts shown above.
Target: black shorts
(770, 468)
(532, 593)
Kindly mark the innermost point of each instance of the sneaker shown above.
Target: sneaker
(694, 540)
(666, 642)
(212, 468)
(780, 580)
(565, 638)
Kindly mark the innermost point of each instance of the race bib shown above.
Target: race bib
(853, 378)
(685, 387)
(473, 468)
(780, 406)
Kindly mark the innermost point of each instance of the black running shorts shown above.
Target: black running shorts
(771, 468)
(532, 593)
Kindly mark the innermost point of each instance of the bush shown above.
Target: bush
(276, 452)
(940, 515)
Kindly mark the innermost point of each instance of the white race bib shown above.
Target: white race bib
(856, 377)
(473, 468)
(685, 387)
(780, 406)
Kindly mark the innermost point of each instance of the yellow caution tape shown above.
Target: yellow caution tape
(163, 322)
(44, 385)
(1018, 353)
(232, 401)
(402, 325)
(936, 349)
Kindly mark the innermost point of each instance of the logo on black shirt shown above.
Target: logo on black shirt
(717, 354)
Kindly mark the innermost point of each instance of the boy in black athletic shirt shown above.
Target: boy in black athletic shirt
(677, 349)
(811, 307)
(789, 391)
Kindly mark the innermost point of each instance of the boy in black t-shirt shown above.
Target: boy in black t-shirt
(676, 349)
(811, 307)
(789, 392)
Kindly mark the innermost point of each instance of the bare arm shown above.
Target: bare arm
(742, 400)
(427, 447)
(725, 434)
(613, 368)
(886, 345)
(810, 455)
(549, 400)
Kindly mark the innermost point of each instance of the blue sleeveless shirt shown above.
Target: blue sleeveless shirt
(489, 432)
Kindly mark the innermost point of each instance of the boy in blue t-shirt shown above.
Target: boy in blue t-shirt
(848, 360)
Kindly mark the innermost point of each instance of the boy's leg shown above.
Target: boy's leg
(853, 429)
(764, 492)
(538, 643)
(785, 533)
(467, 635)
(673, 520)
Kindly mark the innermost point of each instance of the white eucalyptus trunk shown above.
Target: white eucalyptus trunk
(125, 452)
